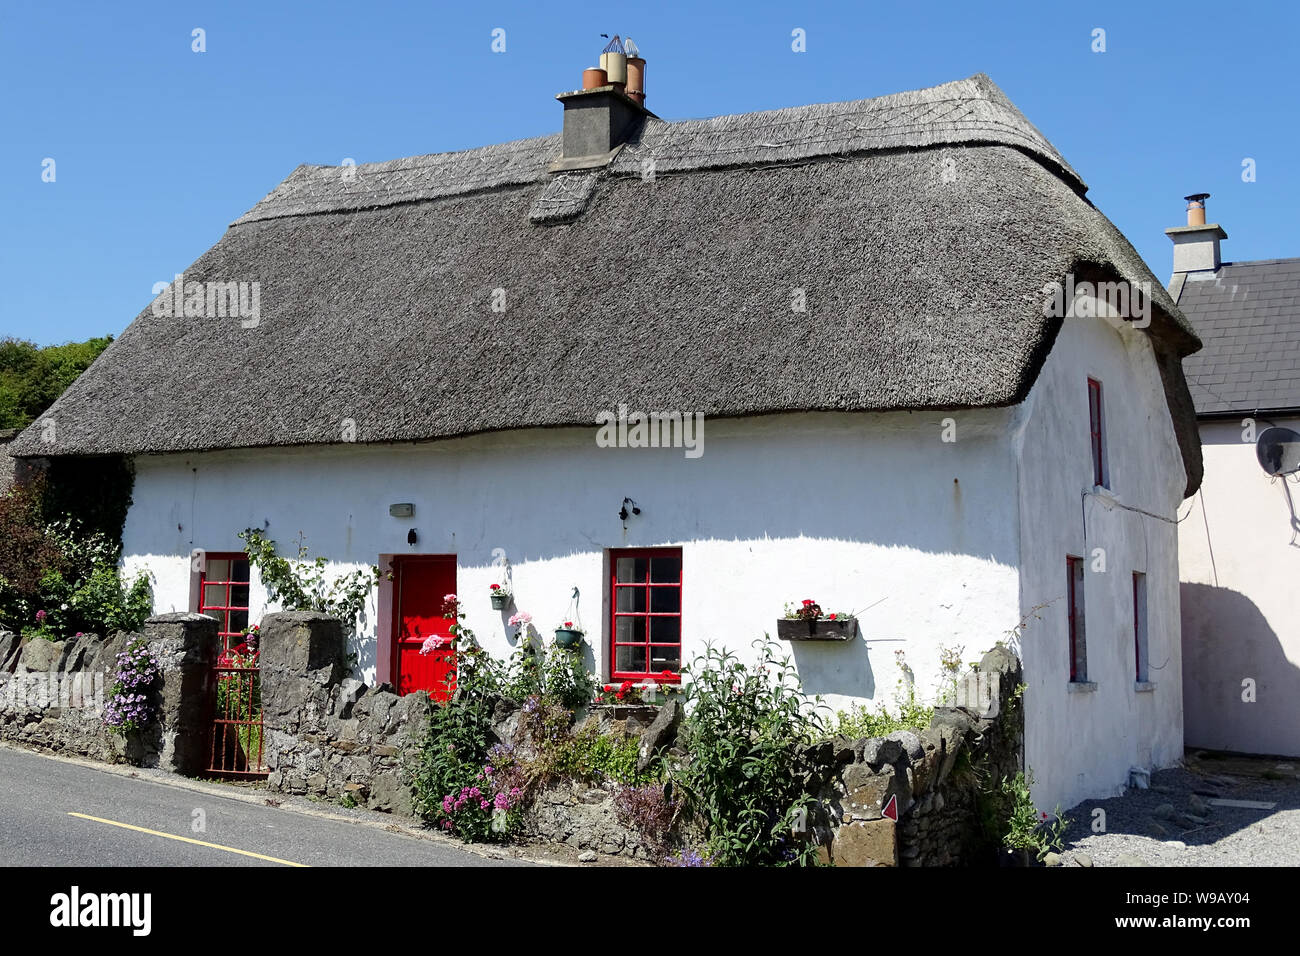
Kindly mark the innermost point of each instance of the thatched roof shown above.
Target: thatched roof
(922, 227)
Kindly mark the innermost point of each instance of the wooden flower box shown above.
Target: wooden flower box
(794, 629)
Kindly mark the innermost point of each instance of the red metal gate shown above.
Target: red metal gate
(237, 712)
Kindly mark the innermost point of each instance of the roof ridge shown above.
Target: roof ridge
(964, 112)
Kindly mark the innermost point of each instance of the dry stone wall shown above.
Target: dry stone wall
(52, 694)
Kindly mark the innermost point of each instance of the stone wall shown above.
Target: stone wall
(52, 694)
(325, 734)
(938, 776)
(331, 736)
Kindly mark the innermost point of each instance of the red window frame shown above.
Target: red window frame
(222, 612)
(647, 615)
(1073, 569)
(1095, 431)
(1139, 624)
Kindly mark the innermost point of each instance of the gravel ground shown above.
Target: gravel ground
(1170, 824)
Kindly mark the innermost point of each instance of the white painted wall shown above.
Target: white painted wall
(1240, 557)
(870, 513)
(1081, 745)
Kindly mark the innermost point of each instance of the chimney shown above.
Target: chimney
(1196, 245)
(607, 111)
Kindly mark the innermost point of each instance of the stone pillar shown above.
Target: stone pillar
(186, 646)
(303, 655)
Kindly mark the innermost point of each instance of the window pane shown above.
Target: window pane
(238, 621)
(665, 659)
(239, 595)
(241, 570)
(665, 600)
(214, 595)
(666, 568)
(630, 599)
(631, 659)
(218, 569)
(630, 569)
(630, 629)
(665, 630)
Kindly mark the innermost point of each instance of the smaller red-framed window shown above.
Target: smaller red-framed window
(1096, 429)
(1139, 627)
(646, 614)
(1074, 608)
(223, 594)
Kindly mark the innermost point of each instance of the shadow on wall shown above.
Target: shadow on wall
(1240, 690)
(835, 668)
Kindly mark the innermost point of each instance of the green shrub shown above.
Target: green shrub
(745, 730)
(453, 755)
(56, 579)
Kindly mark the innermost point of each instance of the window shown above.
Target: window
(1140, 626)
(646, 602)
(1074, 604)
(1096, 425)
(223, 594)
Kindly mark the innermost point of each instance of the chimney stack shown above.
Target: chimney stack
(607, 111)
(1196, 245)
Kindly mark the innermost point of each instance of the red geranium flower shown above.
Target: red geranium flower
(568, 624)
(495, 587)
(832, 617)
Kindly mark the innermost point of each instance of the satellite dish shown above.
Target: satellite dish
(1278, 451)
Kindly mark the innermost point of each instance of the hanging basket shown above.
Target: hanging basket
(500, 600)
(567, 637)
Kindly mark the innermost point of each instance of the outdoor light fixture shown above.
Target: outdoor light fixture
(623, 512)
(412, 537)
(405, 510)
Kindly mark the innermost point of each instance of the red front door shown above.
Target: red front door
(419, 586)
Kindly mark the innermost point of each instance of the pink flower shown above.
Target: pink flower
(40, 617)
(449, 597)
(433, 643)
(483, 804)
(520, 619)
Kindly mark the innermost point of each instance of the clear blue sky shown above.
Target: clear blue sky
(158, 148)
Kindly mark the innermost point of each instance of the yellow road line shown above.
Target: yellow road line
(170, 836)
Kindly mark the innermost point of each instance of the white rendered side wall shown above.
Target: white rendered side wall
(1080, 742)
(1240, 561)
(867, 513)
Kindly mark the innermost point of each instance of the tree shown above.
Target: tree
(32, 377)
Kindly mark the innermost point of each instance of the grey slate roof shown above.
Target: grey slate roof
(922, 227)
(1248, 316)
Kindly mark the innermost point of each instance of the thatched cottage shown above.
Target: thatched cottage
(440, 364)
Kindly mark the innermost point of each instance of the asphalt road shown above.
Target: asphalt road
(57, 813)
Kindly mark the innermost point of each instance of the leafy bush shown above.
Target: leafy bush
(565, 677)
(56, 579)
(1025, 827)
(745, 731)
(453, 754)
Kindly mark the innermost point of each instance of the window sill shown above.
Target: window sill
(1144, 687)
(1082, 686)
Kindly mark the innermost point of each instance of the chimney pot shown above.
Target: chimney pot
(1196, 208)
(593, 77)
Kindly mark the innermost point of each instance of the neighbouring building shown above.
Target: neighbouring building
(1239, 545)
(880, 309)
